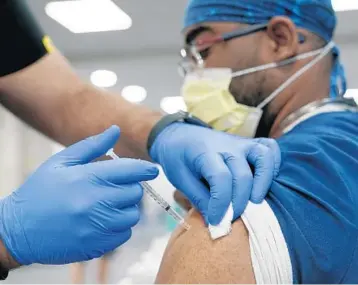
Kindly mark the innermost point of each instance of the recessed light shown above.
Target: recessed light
(174, 104)
(344, 5)
(88, 16)
(104, 78)
(134, 93)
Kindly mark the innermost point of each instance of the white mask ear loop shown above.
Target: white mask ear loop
(322, 53)
(276, 64)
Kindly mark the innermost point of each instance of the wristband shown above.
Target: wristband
(167, 120)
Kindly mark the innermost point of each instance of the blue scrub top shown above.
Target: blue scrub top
(315, 198)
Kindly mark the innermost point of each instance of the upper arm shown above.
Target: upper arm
(315, 197)
(192, 257)
(33, 74)
(40, 84)
(39, 94)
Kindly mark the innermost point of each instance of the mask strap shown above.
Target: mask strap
(277, 64)
(322, 53)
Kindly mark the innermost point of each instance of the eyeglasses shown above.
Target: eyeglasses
(194, 54)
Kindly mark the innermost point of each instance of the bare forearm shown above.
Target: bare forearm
(90, 111)
(50, 97)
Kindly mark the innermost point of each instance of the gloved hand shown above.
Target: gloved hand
(72, 209)
(189, 153)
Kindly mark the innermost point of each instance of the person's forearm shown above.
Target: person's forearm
(6, 259)
(91, 110)
(49, 96)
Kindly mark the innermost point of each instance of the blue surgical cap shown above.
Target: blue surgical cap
(316, 16)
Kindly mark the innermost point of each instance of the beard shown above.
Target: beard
(249, 91)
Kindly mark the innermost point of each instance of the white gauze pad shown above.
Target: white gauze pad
(224, 227)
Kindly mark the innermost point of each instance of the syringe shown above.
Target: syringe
(157, 198)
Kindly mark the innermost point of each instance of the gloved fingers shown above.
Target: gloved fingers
(108, 243)
(195, 191)
(122, 219)
(273, 145)
(262, 158)
(122, 171)
(242, 183)
(88, 149)
(122, 196)
(120, 238)
(212, 168)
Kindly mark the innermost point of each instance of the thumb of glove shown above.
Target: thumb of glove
(88, 149)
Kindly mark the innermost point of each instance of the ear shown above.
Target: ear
(283, 34)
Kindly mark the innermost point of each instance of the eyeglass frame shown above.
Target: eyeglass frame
(193, 47)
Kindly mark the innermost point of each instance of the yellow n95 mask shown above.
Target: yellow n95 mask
(207, 96)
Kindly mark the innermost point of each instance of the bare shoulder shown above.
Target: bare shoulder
(192, 257)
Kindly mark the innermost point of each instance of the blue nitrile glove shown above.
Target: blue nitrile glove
(72, 209)
(188, 153)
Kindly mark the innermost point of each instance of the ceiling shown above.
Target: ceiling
(156, 29)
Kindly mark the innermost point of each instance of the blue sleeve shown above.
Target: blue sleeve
(315, 198)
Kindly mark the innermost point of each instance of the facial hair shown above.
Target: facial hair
(250, 94)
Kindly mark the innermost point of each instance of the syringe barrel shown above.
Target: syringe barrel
(164, 204)
(175, 215)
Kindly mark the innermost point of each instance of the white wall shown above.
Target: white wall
(22, 151)
(350, 61)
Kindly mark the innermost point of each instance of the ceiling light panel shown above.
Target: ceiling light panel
(89, 16)
(134, 93)
(104, 78)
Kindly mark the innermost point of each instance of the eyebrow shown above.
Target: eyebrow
(196, 32)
